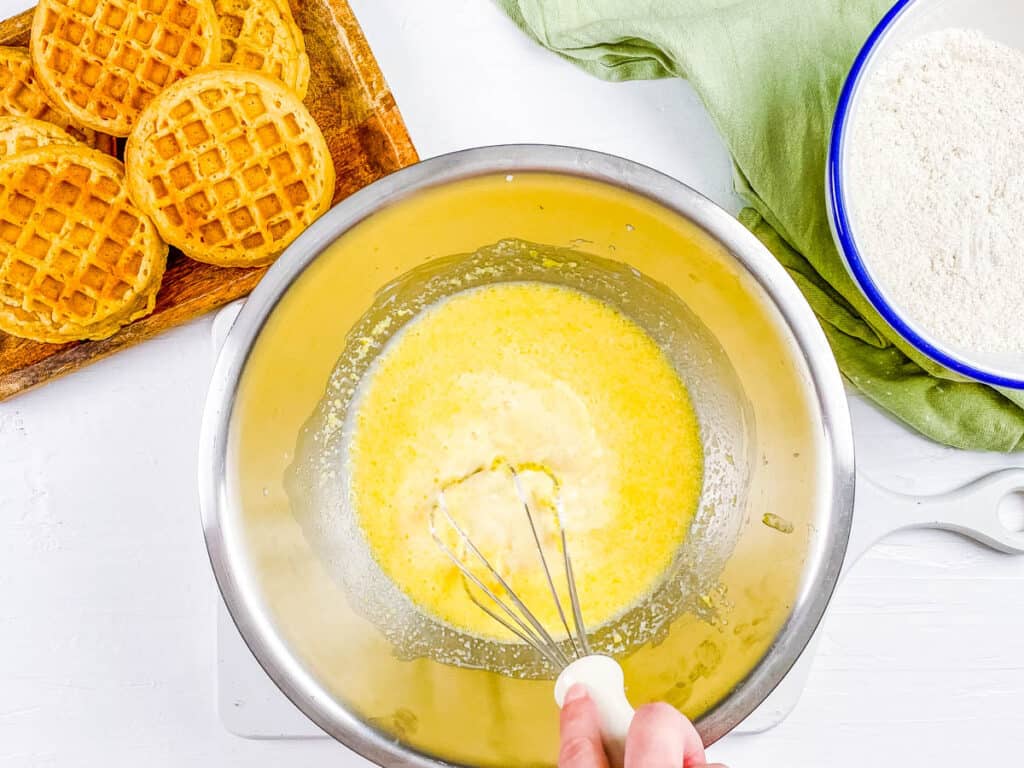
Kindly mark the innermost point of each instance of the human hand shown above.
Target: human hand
(659, 737)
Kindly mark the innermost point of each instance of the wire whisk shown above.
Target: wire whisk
(572, 659)
(502, 603)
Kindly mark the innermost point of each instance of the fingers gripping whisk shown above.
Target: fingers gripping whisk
(491, 590)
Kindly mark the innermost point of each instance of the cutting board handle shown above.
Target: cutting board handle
(971, 510)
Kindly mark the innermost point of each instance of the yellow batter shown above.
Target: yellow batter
(531, 373)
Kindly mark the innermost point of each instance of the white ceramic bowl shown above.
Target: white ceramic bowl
(1001, 20)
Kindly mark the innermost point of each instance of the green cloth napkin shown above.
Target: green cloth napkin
(769, 72)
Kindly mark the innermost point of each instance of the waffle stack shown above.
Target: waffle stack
(222, 160)
(78, 259)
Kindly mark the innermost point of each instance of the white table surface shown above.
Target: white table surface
(107, 604)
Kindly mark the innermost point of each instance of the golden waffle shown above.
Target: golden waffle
(20, 134)
(77, 258)
(21, 96)
(104, 60)
(230, 166)
(262, 35)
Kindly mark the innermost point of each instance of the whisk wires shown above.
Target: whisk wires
(502, 603)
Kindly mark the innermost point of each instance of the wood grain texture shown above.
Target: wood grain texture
(351, 102)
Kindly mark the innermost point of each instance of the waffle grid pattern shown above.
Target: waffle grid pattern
(106, 59)
(75, 254)
(21, 96)
(231, 169)
(262, 35)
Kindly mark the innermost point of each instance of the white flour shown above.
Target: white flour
(936, 186)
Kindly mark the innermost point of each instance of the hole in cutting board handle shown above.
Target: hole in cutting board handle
(1011, 511)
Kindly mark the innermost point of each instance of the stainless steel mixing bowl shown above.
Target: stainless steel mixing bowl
(772, 551)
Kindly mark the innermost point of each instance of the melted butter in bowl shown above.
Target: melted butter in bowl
(542, 374)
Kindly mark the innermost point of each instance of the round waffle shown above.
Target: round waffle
(230, 165)
(77, 259)
(21, 96)
(20, 134)
(104, 60)
(262, 35)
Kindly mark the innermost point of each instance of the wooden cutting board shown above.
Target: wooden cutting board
(349, 99)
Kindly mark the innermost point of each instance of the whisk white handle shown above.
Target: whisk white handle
(605, 683)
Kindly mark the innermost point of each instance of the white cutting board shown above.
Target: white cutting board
(888, 455)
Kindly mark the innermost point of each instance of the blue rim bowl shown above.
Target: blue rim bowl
(843, 234)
